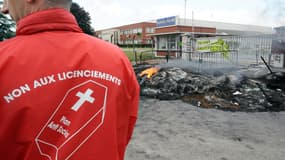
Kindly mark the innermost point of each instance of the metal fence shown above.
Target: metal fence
(238, 50)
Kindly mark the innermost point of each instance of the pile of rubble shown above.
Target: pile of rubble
(235, 91)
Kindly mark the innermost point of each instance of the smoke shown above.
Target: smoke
(274, 11)
(201, 67)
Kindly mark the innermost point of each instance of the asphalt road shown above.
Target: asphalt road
(173, 130)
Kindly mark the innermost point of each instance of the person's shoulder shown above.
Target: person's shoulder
(110, 50)
(102, 44)
(9, 44)
(104, 47)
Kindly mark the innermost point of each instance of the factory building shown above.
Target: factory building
(166, 34)
(169, 33)
(137, 33)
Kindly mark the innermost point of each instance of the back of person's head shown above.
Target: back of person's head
(58, 3)
(20, 8)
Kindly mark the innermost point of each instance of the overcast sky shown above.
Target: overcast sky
(111, 13)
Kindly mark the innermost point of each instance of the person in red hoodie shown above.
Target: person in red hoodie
(64, 95)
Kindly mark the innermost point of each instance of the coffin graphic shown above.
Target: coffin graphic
(79, 115)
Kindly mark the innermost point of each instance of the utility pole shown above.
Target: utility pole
(185, 8)
(193, 28)
(193, 34)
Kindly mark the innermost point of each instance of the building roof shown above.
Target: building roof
(222, 28)
(196, 33)
(227, 27)
(118, 27)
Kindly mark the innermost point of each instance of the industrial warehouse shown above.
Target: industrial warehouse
(191, 39)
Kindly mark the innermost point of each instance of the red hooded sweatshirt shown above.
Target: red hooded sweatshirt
(64, 94)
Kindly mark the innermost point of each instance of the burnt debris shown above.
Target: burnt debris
(246, 90)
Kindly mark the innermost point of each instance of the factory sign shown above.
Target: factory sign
(168, 21)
